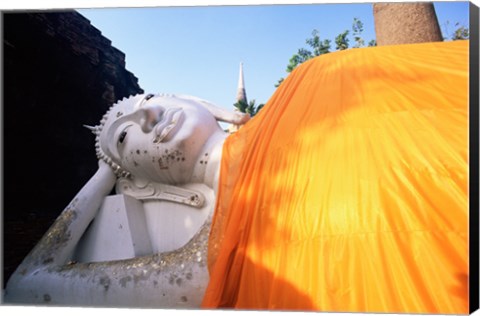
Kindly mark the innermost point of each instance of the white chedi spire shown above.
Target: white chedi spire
(241, 94)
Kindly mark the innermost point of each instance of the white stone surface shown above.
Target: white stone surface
(172, 225)
(119, 231)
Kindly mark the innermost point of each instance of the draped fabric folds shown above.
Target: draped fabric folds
(348, 192)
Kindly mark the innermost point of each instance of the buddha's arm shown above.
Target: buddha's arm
(57, 245)
(172, 279)
(48, 276)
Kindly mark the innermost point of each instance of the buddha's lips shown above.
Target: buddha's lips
(172, 118)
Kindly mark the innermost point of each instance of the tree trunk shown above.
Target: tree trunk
(405, 23)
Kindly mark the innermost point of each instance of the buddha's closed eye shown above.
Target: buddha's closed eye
(122, 136)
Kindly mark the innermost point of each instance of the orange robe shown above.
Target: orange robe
(348, 192)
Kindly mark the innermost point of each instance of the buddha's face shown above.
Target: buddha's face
(158, 138)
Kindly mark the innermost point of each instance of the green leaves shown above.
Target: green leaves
(301, 56)
(279, 82)
(461, 32)
(317, 46)
(357, 29)
(249, 107)
(342, 41)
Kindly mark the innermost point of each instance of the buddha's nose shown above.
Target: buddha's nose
(152, 115)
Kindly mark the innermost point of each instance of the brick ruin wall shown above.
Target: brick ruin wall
(59, 72)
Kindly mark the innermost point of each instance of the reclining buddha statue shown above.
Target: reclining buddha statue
(147, 245)
(347, 192)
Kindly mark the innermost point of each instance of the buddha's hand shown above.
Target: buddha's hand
(241, 118)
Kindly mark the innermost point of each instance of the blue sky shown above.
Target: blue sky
(197, 50)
